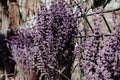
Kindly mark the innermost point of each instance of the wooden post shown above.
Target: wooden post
(30, 7)
(14, 15)
(5, 22)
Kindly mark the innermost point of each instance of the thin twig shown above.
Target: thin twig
(88, 22)
(100, 12)
(106, 35)
(106, 23)
(81, 16)
(8, 75)
(59, 71)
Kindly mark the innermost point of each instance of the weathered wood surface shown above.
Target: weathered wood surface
(18, 11)
(14, 15)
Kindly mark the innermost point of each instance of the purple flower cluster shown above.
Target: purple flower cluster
(108, 57)
(100, 59)
(24, 51)
(58, 33)
(89, 56)
(49, 45)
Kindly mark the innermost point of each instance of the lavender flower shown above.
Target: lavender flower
(58, 37)
(100, 60)
(108, 60)
(49, 46)
(89, 56)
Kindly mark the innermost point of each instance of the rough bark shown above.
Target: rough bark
(31, 6)
(14, 15)
(5, 22)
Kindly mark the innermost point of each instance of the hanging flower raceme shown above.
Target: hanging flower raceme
(24, 51)
(47, 49)
(89, 56)
(109, 60)
(58, 29)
